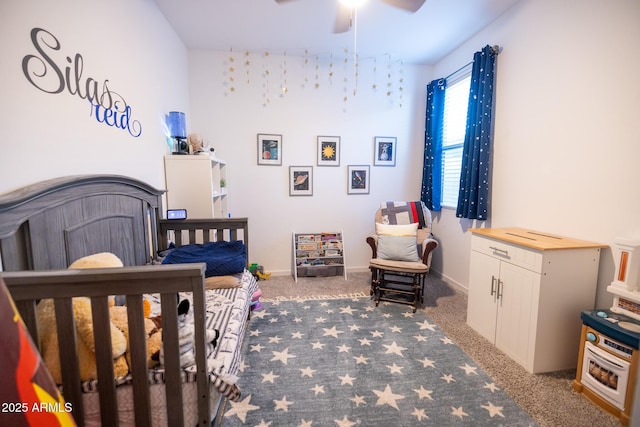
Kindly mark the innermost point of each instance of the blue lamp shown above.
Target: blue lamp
(177, 130)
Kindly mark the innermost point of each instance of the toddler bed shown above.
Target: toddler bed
(46, 226)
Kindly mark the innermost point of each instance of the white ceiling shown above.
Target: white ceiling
(298, 25)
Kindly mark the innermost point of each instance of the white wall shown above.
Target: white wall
(230, 122)
(566, 145)
(565, 149)
(128, 43)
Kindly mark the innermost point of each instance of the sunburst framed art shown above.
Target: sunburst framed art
(328, 151)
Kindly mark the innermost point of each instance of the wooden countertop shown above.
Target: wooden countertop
(535, 239)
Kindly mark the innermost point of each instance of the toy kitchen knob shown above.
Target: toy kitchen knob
(591, 336)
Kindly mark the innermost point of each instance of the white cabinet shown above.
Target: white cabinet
(526, 292)
(197, 183)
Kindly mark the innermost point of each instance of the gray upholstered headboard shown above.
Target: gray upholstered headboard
(50, 224)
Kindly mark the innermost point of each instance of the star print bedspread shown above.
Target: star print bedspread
(227, 310)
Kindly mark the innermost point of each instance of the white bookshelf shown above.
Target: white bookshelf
(318, 254)
(197, 183)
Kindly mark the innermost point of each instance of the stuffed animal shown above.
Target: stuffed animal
(85, 345)
(186, 332)
(99, 260)
(196, 143)
(84, 329)
(118, 315)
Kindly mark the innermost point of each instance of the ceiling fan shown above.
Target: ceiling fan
(344, 18)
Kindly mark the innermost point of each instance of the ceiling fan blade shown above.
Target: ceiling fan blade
(410, 5)
(343, 19)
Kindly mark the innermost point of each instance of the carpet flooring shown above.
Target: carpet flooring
(346, 362)
(548, 398)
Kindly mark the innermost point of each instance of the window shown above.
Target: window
(456, 100)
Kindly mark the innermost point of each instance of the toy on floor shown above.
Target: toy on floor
(256, 305)
(258, 272)
(262, 275)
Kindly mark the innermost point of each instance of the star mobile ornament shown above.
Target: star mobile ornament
(345, 78)
(283, 86)
(247, 64)
(374, 86)
(265, 75)
(389, 84)
(231, 70)
(401, 83)
(317, 84)
(331, 69)
(304, 68)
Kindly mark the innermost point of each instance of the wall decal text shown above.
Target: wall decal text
(42, 71)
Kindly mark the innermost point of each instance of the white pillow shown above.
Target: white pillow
(397, 230)
(397, 242)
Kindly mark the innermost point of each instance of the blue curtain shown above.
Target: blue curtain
(473, 196)
(431, 193)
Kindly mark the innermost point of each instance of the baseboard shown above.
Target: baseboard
(449, 280)
(281, 273)
(364, 269)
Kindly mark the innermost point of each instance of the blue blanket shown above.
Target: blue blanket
(222, 258)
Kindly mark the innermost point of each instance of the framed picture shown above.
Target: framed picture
(358, 177)
(384, 151)
(301, 180)
(328, 151)
(269, 149)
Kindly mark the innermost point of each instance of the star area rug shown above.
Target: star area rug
(346, 362)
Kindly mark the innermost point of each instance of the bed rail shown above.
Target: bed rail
(27, 287)
(187, 231)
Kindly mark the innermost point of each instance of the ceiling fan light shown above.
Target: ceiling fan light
(353, 3)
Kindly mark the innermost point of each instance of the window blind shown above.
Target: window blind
(453, 130)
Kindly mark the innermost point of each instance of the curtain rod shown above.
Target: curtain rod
(495, 50)
(458, 70)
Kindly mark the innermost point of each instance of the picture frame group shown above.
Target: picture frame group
(269, 152)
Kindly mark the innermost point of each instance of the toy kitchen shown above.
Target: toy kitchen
(609, 346)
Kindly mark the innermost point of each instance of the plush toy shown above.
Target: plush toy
(84, 327)
(84, 341)
(99, 260)
(186, 331)
(118, 315)
(196, 143)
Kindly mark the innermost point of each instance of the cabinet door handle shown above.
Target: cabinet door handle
(502, 251)
(493, 285)
(500, 287)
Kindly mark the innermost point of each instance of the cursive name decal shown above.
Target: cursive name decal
(42, 71)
